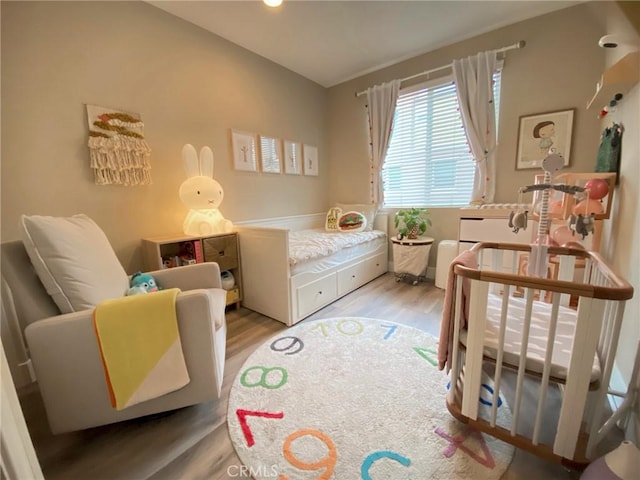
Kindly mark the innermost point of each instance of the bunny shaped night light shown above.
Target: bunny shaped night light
(202, 194)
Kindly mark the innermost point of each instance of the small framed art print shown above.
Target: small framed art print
(244, 151)
(270, 154)
(310, 154)
(542, 134)
(292, 158)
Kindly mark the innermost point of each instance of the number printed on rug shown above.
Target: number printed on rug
(265, 377)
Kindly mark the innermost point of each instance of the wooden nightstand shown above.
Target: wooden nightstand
(176, 250)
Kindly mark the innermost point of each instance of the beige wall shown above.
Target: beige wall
(622, 238)
(557, 70)
(190, 87)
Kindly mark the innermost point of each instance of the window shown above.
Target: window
(428, 162)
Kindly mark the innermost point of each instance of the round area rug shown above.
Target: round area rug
(355, 398)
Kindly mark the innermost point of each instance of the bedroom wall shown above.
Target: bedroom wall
(622, 236)
(557, 70)
(190, 87)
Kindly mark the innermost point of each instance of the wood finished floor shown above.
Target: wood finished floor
(193, 442)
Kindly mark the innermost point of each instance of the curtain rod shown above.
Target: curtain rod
(515, 46)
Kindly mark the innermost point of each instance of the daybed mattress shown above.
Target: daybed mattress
(316, 250)
(538, 334)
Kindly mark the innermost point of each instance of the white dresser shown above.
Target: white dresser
(490, 224)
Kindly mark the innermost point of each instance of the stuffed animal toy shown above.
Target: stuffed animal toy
(518, 220)
(142, 283)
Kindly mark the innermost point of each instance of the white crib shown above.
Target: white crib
(569, 351)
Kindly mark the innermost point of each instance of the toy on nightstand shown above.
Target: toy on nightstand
(142, 283)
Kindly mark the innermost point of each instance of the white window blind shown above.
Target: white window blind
(428, 162)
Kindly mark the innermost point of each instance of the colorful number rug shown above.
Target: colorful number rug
(355, 398)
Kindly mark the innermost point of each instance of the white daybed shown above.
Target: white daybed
(279, 280)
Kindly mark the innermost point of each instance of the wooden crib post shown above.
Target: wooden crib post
(500, 354)
(455, 361)
(529, 292)
(597, 429)
(546, 371)
(565, 272)
(475, 345)
(589, 321)
(497, 265)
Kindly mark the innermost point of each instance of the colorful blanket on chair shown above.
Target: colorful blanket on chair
(140, 347)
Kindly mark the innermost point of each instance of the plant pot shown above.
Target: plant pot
(413, 233)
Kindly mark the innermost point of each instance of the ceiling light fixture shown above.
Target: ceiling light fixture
(272, 3)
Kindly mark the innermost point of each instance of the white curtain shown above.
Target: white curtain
(381, 108)
(474, 85)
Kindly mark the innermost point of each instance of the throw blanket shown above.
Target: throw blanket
(445, 345)
(140, 347)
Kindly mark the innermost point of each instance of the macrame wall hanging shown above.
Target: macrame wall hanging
(119, 152)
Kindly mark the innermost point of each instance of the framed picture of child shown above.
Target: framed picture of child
(542, 134)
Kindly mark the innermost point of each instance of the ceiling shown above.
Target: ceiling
(330, 42)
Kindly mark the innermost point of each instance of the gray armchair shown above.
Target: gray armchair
(65, 355)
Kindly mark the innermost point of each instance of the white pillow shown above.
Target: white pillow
(369, 211)
(73, 260)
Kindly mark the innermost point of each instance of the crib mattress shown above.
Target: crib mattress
(305, 245)
(538, 335)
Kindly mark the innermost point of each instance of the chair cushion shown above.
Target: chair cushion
(73, 260)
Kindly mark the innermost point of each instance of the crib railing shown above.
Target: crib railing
(578, 278)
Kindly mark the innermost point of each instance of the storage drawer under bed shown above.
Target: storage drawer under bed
(315, 295)
(357, 275)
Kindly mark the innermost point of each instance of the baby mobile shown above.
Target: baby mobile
(580, 222)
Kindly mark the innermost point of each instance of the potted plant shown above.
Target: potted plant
(412, 222)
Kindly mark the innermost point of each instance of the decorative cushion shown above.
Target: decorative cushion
(73, 260)
(369, 211)
(331, 222)
(352, 222)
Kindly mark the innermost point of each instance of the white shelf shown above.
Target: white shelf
(618, 78)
